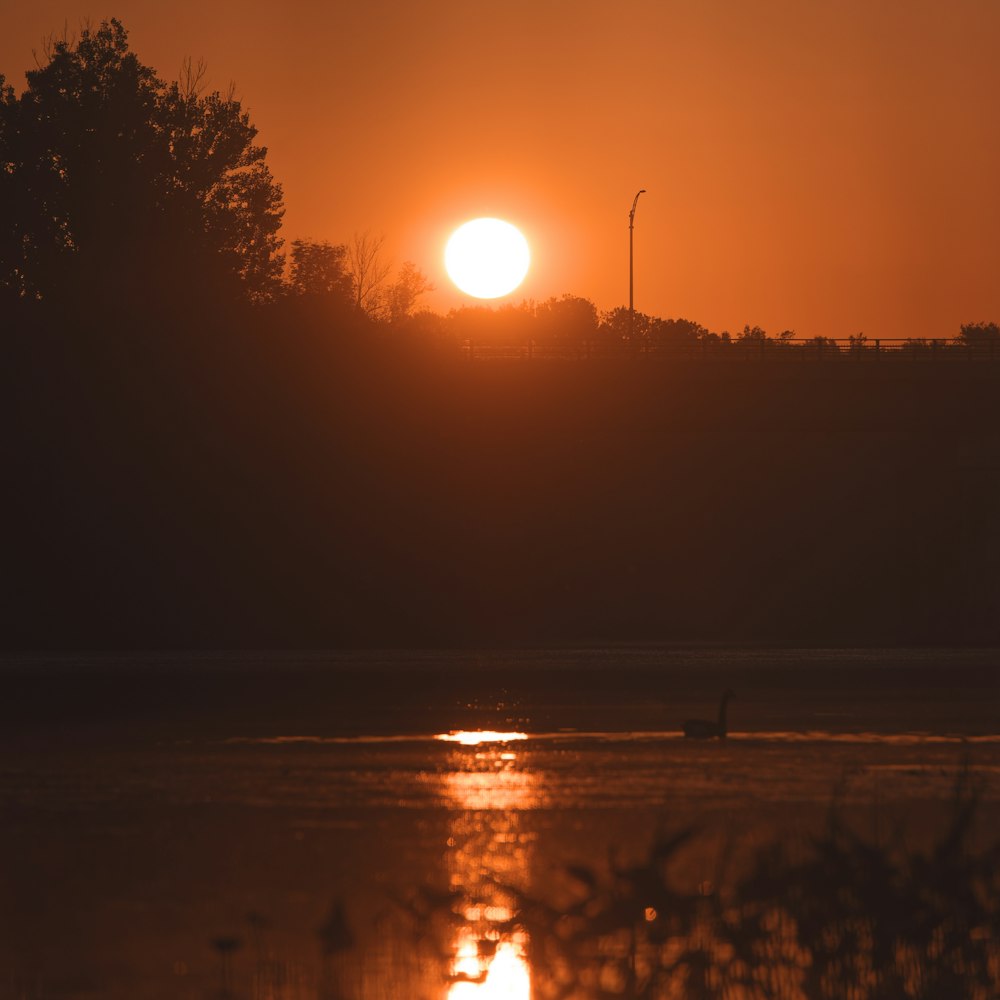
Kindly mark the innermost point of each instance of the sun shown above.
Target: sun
(487, 258)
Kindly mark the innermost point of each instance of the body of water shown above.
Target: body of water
(375, 825)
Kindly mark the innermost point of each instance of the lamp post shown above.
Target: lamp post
(631, 303)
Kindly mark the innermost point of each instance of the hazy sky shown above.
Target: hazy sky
(830, 167)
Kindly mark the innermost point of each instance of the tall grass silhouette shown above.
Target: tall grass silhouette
(840, 917)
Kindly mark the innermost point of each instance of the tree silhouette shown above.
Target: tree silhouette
(675, 333)
(402, 295)
(369, 272)
(123, 188)
(569, 319)
(320, 269)
(979, 334)
(616, 325)
(752, 335)
(10, 277)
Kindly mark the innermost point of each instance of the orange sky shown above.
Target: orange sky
(826, 167)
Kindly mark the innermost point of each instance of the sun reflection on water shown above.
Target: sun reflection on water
(490, 791)
(505, 976)
(476, 737)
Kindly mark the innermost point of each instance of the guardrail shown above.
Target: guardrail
(818, 349)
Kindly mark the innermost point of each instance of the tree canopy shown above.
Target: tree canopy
(119, 187)
(320, 268)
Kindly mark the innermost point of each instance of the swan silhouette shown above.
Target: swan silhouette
(705, 729)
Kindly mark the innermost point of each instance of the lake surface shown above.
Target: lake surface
(362, 825)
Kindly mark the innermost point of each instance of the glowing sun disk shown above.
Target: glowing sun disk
(487, 258)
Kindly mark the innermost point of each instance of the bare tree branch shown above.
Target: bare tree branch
(368, 271)
(191, 81)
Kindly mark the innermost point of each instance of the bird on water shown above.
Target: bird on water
(705, 729)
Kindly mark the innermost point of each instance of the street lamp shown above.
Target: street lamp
(631, 303)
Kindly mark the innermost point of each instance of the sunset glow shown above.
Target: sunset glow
(864, 184)
(354, 397)
(487, 258)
